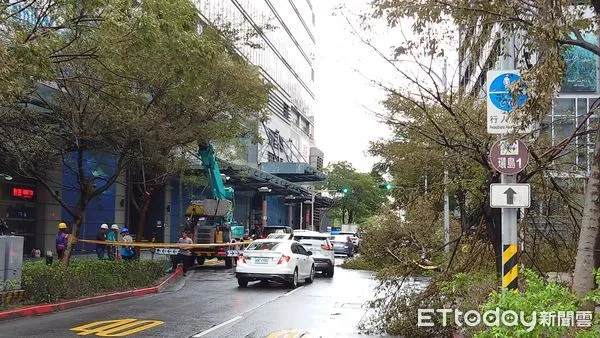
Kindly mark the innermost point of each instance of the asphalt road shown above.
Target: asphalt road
(208, 303)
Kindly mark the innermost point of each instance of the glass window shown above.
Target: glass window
(264, 246)
(564, 107)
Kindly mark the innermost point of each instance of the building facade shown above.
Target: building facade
(284, 49)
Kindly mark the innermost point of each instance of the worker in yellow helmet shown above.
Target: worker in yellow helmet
(61, 240)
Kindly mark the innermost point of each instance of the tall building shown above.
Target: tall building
(286, 36)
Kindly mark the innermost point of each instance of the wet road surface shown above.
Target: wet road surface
(208, 303)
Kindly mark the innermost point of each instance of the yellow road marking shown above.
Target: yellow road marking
(286, 334)
(116, 328)
(215, 262)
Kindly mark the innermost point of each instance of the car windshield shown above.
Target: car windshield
(352, 234)
(264, 246)
(311, 240)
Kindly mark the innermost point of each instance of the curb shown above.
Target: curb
(37, 310)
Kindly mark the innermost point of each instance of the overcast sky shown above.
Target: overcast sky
(345, 68)
(343, 126)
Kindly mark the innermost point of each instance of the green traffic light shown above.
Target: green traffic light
(388, 186)
(345, 190)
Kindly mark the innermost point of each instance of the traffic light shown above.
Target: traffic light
(387, 186)
(345, 190)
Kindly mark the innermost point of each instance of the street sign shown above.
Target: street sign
(501, 101)
(512, 195)
(509, 158)
(166, 251)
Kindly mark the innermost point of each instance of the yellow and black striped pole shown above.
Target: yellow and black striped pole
(510, 267)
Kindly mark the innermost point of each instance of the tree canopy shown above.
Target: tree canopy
(131, 80)
(363, 196)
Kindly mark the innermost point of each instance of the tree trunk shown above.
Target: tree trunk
(588, 236)
(146, 199)
(77, 220)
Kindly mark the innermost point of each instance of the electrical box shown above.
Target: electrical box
(11, 261)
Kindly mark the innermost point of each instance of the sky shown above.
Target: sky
(345, 70)
(344, 122)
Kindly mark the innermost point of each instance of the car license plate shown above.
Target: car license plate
(259, 260)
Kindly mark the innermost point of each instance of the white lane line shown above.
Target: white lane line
(203, 333)
(290, 292)
(218, 326)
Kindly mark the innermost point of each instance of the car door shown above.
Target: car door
(307, 260)
(297, 249)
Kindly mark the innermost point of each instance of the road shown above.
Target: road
(208, 303)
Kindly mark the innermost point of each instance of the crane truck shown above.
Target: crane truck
(211, 219)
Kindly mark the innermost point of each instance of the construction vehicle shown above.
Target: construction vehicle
(211, 219)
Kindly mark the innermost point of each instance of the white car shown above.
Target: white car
(322, 249)
(354, 237)
(280, 260)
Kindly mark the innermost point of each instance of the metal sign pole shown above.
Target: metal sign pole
(509, 215)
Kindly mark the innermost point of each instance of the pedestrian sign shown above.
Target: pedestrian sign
(502, 100)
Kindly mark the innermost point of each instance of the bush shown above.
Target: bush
(51, 283)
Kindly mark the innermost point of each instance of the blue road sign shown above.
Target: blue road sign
(500, 94)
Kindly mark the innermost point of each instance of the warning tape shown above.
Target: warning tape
(161, 245)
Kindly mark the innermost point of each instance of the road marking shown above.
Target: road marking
(244, 313)
(285, 334)
(290, 292)
(218, 326)
(116, 328)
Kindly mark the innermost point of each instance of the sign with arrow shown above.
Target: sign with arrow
(512, 195)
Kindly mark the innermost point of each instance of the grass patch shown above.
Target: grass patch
(359, 263)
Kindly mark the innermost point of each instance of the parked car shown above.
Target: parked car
(342, 244)
(280, 235)
(354, 237)
(281, 260)
(322, 249)
(269, 229)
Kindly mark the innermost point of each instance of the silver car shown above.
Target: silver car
(322, 249)
(342, 244)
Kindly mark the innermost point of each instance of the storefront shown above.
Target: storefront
(18, 209)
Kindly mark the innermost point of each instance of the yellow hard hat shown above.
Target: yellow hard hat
(62, 225)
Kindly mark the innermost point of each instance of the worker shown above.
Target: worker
(127, 252)
(185, 254)
(112, 236)
(62, 240)
(101, 236)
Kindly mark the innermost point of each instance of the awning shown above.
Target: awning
(293, 172)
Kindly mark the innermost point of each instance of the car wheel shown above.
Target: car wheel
(329, 272)
(312, 275)
(200, 260)
(294, 283)
(229, 262)
(242, 282)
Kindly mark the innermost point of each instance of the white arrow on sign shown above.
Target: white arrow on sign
(510, 195)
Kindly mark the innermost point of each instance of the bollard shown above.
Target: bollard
(49, 257)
